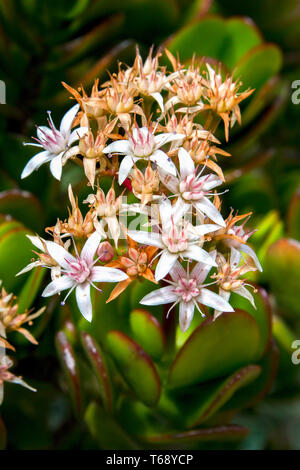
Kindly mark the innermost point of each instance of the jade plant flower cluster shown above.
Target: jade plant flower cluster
(150, 131)
(12, 320)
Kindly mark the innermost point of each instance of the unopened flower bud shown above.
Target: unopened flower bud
(105, 252)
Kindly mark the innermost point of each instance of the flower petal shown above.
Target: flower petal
(198, 254)
(105, 274)
(163, 161)
(165, 213)
(125, 167)
(226, 296)
(60, 255)
(157, 96)
(20, 381)
(211, 299)
(60, 284)
(36, 241)
(179, 209)
(210, 182)
(177, 272)
(165, 295)
(203, 229)
(147, 238)
(42, 130)
(235, 258)
(83, 298)
(169, 181)
(186, 313)
(29, 266)
(245, 293)
(77, 134)
(187, 166)
(165, 264)
(114, 228)
(205, 206)
(166, 137)
(67, 120)
(56, 166)
(35, 162)
(201, 270)
(249, 251)
(90, 248)
(119, 146)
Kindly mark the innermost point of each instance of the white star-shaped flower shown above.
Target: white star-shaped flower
(56, 144)
(175, 240)
(80, 273)
(192, 189)
(142, 144)
(187, 290)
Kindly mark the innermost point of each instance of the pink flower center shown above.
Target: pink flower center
(175, 240)
(79, 271)
(142, 142)
(192, 188)
(51, 139)
(187, 289)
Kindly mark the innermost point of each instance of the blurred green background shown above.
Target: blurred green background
(45, 42)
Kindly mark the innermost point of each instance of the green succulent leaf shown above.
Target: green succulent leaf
(106, 430)
(262, 315)
(135, 366)
(69, 364)
(100, 368)
(7, 224)
(30, 288)
(226, 433)
(15, 251)
(282, 266)
(242, 35)
(233, 38)
(22, 206)
(259, 65)
(283, 333)
(293, 217)
(192, 39)
(216, 348)
(261, 386)
(206, 400)
(148, 332)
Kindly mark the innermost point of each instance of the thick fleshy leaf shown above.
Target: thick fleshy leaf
(262, 314)
(23, 206)
(200, 403)
(69, 364)
(255, 391)
(293, 217)
(7, 224)
(135, 366)
(193, 39)
(216, 348)
(30, 289)
(226, 433)
(283, 334)
(100, 368)
(259, 65)
(15, 253)
(269, 230)
(106, 430)
(148, 332)
(242, 35)
(282, 268)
